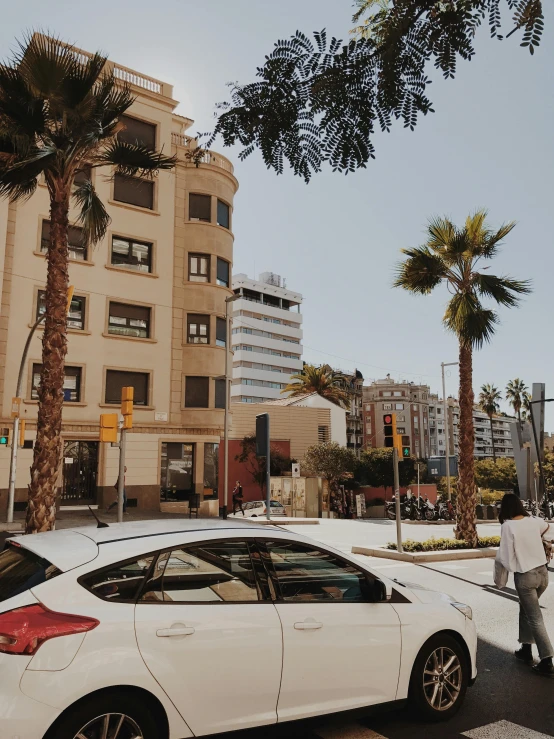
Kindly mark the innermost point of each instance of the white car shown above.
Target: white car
(171, 629)
(255, 508)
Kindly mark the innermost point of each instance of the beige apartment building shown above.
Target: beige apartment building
(148, 311)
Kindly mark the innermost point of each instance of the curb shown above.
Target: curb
(415, 557)
(446, 523)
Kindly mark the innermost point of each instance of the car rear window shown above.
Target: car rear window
(21, 570)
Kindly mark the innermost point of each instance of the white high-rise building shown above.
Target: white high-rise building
(266, 337)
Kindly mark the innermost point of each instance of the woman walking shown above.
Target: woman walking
(522, 552)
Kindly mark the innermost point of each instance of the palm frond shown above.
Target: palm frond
(134, 159)
(473, 324)
(421, 272)
(489, 398)
(93, 217)
(19, 176)
(45, 62)
(492, 243)
(440, 233)
(503, 290)
(112, 99)
(21, 112)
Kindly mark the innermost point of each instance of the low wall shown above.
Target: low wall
(372, 493)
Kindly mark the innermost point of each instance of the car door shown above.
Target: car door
(211, 636)
(340, 649)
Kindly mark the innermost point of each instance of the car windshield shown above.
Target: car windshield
(21, 570)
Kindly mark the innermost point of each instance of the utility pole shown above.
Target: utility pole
(397, 499)
(228, 300)
(447, 426)
(263, 449)
(127, 396)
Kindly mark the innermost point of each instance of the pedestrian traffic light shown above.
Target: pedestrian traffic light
(127, 395)
(405, 452)
(108, 427)
(5, 436)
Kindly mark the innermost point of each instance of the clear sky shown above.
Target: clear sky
(336, 240)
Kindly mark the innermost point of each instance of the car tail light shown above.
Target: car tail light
(23, 630)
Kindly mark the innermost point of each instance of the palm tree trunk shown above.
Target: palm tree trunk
(466, 499)
(41, 508)
(492, 441)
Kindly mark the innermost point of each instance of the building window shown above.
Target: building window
(198, 329)
(197, 392)
(220, 393)
(400, 418)
(323, 434)
(134, 191)
(398, 393)
(200, 207)
(387, 393)
(211, 468)
(82, 175)
(129, 320)
(387, 406)
(177, 470)
(400, 430)
(222, 214)
(137, 132)
(130, 254)
(399, 406)
(221, 332)
(76, 315)
(71, 383)
(118, 379)
(199, 268)
(76, 245)
(222, 272)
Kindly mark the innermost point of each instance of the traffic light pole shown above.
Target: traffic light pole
(268, 474)
(121, 478)
(15, 434)
(397, 500)
(447, 427)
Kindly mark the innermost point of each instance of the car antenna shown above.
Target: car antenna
(101, 524)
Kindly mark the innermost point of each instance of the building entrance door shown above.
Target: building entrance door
(80, 472)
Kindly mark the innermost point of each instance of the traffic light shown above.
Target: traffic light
(108, 427)
(127, 395)
(392, 438)
(22, 433)
(5, 436)
(405, 452)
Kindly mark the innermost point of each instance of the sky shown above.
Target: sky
(489, 144)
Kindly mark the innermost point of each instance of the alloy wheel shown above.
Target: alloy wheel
(442, 679)
(110, 726)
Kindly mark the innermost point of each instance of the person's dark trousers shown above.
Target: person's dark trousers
(237, 503)
(114, 504)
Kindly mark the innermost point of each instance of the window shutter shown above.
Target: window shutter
(200, 207)
(137, 131)
(136, 312)
(197, 390)
(220, 393)
(223, 272)
(221, 331)
(134, 191)
(118, 379)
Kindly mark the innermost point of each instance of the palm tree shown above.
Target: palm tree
(321, 380)
(516, 392)
(59, 115)
(489, 398)
(450, 256)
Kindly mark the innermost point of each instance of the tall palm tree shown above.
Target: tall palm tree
(450, 256)
(489, 398)
(516, 392)
(59, 115)
(321, 380)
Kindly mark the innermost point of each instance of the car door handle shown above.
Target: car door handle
(176, 631)
(308, 625)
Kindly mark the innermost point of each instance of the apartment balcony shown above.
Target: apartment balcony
(182, 141)
(277, 329)
(242, 355)
(249, 304)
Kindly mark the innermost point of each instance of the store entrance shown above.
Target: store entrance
(177, 471)
(80, 473)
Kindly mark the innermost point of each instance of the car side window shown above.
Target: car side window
(210, 572)
(119, 582)
(307, 574)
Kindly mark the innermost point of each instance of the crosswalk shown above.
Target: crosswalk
(495, 730)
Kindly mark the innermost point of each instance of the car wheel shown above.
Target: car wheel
(107, 715)
(439, 678)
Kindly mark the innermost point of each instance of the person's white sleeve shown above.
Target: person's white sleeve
(506, 552)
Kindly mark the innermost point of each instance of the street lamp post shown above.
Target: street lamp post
(15, 434)
(538, 450)
(446, 426)
(228, 301)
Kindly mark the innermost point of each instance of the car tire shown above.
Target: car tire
(439, 703)
(137, 715)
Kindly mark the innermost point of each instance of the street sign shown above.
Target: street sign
(16, 407)
(295, 469)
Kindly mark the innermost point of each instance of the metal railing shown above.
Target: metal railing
(204, 157)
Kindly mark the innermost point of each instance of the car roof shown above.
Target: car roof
(71, 548)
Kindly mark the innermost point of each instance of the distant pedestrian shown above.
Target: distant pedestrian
(116, 501)
(237, 498)
(523, 551)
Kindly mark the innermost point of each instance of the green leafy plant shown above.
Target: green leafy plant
(444, 544)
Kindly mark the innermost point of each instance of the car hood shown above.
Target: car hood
(425, 595)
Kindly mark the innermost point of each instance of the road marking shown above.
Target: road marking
(348, 731)
(505, 730)
(450, 567)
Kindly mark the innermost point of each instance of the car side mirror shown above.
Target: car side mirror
(382, 592)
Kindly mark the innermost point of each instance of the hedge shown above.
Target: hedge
(436, 545)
